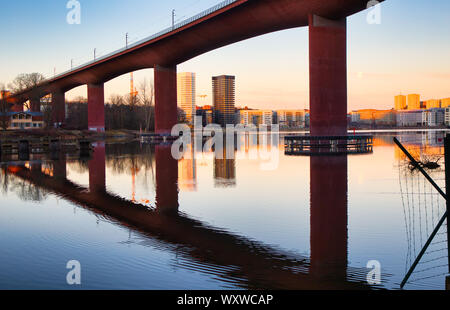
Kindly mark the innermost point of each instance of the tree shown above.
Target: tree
(146, 97)
(25, 81)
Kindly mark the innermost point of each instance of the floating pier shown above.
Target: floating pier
(328, 145)
(156, 138)
(42, 145)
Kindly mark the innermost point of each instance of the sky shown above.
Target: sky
(408, 52)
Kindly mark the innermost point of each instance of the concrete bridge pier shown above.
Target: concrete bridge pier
(96, 107)
(59, 168)
(166, 180)
(165, 99)
(97, 168)
(58, 108)
(35, 104)
(328, 76)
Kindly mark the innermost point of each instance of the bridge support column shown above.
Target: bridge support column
(328, 186)
(166, 115)
(59, 168)
(328, 76)
(166, 180)
(35, 105)
(97, 170)
(58, 108)
(96, 107)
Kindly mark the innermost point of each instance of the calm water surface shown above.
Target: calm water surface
(137, 219)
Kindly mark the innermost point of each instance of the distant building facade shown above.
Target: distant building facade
(414, 118)
(224, 99)
(292, 118)
(206, 113)
(373, 118)
(255, 117)
(445, 102)
(400, 102)
(435, 117)
(414, 102)
(23, 120)
(433, 103)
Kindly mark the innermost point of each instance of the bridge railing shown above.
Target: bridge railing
(151, 37)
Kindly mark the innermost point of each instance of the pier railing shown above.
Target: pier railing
(165, 31)
(328, 145)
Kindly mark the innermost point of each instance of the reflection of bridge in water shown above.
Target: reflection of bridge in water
(234, 259)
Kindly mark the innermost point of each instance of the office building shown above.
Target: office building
(224, 99)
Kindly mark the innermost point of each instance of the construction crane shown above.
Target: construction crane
(133, 91)
(203, 97)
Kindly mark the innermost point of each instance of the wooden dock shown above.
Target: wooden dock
(42, 145)
(328, 145)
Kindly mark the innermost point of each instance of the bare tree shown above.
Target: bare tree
(146, 97)
(26, 81)
(116, 100)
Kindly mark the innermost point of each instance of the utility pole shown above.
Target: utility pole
(95, 51)
(126, 40)
(173, 19)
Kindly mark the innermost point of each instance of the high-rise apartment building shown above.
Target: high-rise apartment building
(400, 102)
(186, 94)
(224, 99)
(413, 102)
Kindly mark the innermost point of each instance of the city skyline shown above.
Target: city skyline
(389, 71)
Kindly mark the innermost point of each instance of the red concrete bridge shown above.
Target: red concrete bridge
(229, 22)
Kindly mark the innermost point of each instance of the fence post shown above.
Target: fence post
(447, 187)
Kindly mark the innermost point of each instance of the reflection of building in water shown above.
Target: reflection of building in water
(187, 174)
(225, 171)
(421, 145)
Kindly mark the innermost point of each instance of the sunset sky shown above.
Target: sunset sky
(407, 53)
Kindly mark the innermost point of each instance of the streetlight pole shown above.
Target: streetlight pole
(173, 19)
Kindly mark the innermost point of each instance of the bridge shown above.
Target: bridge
(258, 265)
(229, 22)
